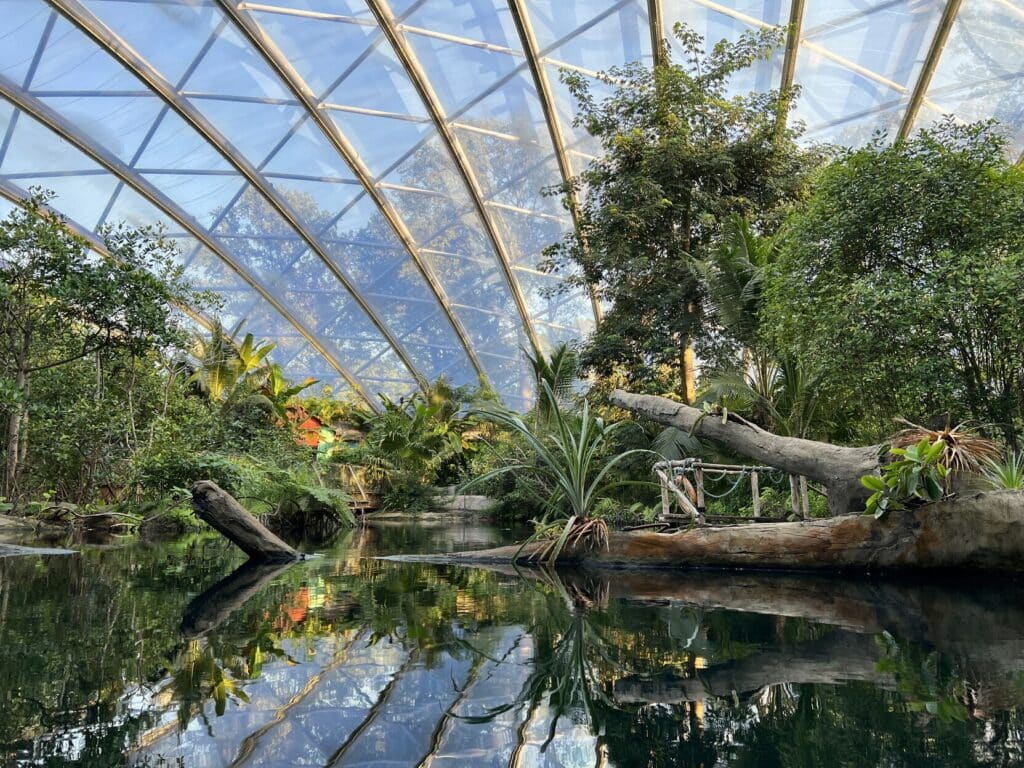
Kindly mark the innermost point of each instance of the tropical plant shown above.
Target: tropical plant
(228, 371)
(559, 371)
(1005, 474)
(782, 396)
(569, 453)
(280, 391)
(733, 276)
(917, 476)
(964, 451)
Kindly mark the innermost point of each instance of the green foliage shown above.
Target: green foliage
(568, 453)
(916, 476)
(619, 514)
(679, 158)
(900, 282)
(559, 371)
(166, 472)
(1006, 474)
(416, 443)
(61, 306)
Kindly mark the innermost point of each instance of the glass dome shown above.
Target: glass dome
(360, 180)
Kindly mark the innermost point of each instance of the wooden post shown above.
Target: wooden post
(794, 496)
(755, 493)
(698, 476)
(233, 521)
(666, 507)
(804, 497)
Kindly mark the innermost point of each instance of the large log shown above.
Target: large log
(219, 508)
(983, 532)
(836, 467)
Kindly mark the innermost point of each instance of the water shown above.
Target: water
(147, 655)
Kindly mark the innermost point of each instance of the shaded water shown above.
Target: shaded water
(163, 655)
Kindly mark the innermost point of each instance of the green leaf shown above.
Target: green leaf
(873, 483)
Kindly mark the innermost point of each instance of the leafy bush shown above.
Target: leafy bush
(408, 494)
(163, 473)
(619, 515)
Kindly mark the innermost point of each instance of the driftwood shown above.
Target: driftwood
(836, 467)
(210, 609)
(218, 508)
(982, 532)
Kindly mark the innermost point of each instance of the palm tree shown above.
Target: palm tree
(779, 394)
(228, 371)
(559, 372)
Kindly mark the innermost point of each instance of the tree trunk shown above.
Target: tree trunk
(836, 467)
(984, 532)
(14, 423)
(217, 507)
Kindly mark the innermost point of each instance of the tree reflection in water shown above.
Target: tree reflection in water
(346, 660)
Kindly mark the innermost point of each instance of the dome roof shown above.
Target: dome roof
(360, 180)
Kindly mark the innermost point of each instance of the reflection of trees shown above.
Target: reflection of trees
(648, 669)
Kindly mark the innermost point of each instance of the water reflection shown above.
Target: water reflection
(344, 660)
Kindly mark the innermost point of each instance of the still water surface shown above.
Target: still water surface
(164, 655)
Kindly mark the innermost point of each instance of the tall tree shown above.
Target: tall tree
(680, 155)
(60, 303)
(901, 280)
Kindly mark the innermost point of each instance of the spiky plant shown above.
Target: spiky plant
(1005, 474)
(965, 450)
(568, 448)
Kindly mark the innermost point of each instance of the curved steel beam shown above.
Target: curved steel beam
(295, 83)
(109, 41)
(407, 56)
(924, 79)
(657, 30)
(521, 18)
(58, 125)
(793, 32)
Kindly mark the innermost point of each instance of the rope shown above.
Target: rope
(739, 479)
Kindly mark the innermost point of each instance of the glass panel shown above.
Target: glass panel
(24, 25)
(880, 49)
(318, 50)
(595, 34)
(169, 35)
(485, 20)
(470, 71)
(981, 72)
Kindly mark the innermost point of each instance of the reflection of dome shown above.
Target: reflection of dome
(361, 179)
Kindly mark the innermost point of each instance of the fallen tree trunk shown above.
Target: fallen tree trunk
(219, 508)
(836, 467)
(980, 532)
